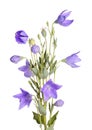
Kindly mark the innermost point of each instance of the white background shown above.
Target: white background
(31, 16)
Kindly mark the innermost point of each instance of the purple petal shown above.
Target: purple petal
(60, 19)
(15, 59)
(66, 13)
(23, 91)
(21, 37)
(28, 73)
(53, 85)
(25, 98)
(74, 65)
(59, 103)
(72, 59)
(56, 86)
(49, 90)
(35, 49)
(66, 22)
(18, 96)
(53, 93)
(27, 63)
(23, 68)
(22, 104)
(48, 93)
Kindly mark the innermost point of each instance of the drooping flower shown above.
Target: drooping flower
(50, 90)
(59, 103)
(62, 18)
(35, 49)
(25, 98)
(15, 59)
(21, 37)
(72, 59)
(26, 69)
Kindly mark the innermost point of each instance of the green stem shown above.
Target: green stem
(40, 123)
(45, 119)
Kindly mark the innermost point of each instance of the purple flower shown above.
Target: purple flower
(35, 49)
(25, 98)
(49, 90)
(15, 59)
(59, 103)
(62, 18)
(21, 37)
(72, 59)
(26, 69)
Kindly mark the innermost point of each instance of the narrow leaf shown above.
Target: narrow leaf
(52, 119)
(38, 118)
(32, 86)
(35, 83)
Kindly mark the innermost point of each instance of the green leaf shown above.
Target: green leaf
(49, 107)
(41, 109)
(52, 119)
(55, 43)
(52, 70)
(35, 83)
(38, 118)
(35, 71)
(53, 67)
(52, 59)
(44, 73)
(32, 86)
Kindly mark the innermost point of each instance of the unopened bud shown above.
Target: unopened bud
(39, 36)
(43, 32)
(31, 41)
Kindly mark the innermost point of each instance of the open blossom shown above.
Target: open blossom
(24, 97)
(59, 103)
(15, 59)
(72, 59)
(26, 69)
(21, 37)
(35, 49)
(62, 18)
(50, 90)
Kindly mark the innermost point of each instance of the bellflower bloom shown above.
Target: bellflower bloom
(15, 59)
(35, 49)
(50, 90)
(59, 103)
(25, 98)
(62, 18)
(72, 59)
(21, 37)
(26, 69)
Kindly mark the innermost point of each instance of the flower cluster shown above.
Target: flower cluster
(40, 70)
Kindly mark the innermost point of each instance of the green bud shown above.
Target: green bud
(39, 37)
(43, 32)
(47, 23)
(52, 31)
(31, 41)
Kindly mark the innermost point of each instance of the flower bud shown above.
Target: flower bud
(35, 49)
(43, 32)
(31, 41)
(39, 37)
